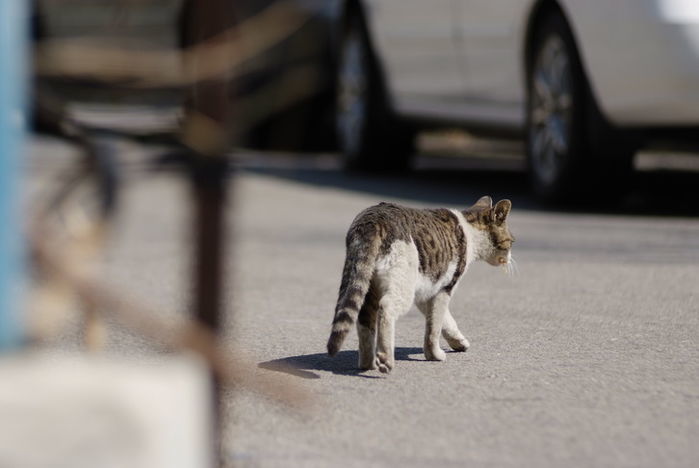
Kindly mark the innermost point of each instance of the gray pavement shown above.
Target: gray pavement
(588, 357)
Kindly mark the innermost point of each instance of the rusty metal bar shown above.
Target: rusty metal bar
(209, 198)
(205, 132)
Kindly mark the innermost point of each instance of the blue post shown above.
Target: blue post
(13, 80)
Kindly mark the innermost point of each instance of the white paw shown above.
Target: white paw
(368, 365)
(459, 345)
(383, 364)
(435, 354)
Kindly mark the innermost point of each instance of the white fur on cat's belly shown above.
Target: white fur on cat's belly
(397, 273)
(426, 289)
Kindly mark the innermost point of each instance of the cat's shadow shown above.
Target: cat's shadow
(344, 363)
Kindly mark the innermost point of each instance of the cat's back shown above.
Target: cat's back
(385, 220)
(391, 222)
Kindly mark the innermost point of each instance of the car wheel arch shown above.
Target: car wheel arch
(538, 13)
(357, 8)
(598, 141)
(387, 142)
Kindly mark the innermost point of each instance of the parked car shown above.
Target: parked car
(584, 82)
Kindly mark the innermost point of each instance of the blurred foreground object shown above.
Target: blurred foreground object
(119, 53)
(13, 57)
(67, 232)
(68, 411)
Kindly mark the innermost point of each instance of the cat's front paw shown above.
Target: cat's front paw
(383, 364)
(366, 365)
(435, 354)
(459, 345)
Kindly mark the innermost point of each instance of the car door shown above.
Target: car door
(491, 32)
(415, 42)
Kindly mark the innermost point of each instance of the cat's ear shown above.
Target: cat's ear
(501, 210)
(483, 203)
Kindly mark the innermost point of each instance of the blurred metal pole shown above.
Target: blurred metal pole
(14, 48)
(209, 197)
(205, 132)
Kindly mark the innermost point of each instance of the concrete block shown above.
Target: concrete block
(77, 411)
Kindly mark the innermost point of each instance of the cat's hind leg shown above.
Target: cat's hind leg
(366, 329)
(391, 306)
(452, 334)
(397, 288)
(385, 339)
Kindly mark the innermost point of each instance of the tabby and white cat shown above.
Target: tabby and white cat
(397, 256)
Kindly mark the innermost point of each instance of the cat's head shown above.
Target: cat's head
(491, 221)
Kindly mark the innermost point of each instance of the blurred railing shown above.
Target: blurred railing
(215, 45)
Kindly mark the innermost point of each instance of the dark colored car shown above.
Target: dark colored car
(281, 78)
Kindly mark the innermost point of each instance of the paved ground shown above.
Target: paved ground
(588, 358)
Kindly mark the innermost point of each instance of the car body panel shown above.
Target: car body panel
(491, 42)
(417, 44)
(420, 46)
(641, 58)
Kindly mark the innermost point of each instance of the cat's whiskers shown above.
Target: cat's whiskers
(515, 266)
(511, 267)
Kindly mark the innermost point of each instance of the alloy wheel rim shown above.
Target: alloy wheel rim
(551, 109)
(351, 97)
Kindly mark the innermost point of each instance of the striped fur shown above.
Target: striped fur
(362, 245)
(397, 256)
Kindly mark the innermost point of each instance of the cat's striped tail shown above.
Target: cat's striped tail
(362, 250)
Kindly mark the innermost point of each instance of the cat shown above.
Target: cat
(397, 256)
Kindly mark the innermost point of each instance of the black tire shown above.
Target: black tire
(369, 136)
(572, 152)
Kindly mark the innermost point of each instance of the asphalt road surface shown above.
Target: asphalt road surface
(588, 357)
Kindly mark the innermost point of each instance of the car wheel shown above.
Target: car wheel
(566, 154)
(368, 135)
